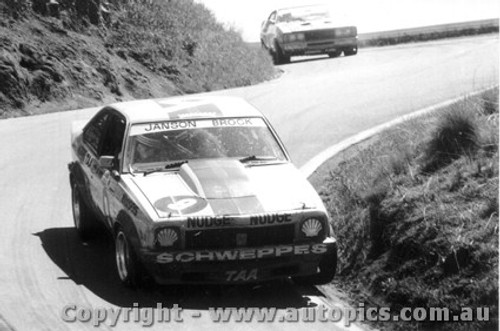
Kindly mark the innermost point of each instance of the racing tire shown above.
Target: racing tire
(129, 268)
(278, 56)
(325, 275)
(83, 217)
(351, 51)
(334, 54)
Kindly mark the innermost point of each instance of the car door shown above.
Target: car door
(93, 134)
(108, 185)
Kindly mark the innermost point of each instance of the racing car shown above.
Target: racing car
(307, 30)
(197, 190)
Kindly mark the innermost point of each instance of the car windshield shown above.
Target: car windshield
(156, 144)
(307, 13)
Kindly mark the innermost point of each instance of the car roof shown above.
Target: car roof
(303, 6)
(185, 107)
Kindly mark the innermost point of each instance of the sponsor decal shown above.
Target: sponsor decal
(242, 254)
(270, 219)
(180, 204)
(233, 122)
(208, 221)
(165, 126)
(311, 227)
(241, 275)
(81, 151)
(186, 124)
(106, 178)
(167, 237)
(90, 162)
(129, 205)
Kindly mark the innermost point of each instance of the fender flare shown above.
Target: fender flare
(125, 221)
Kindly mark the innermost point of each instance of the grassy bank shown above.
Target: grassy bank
(84, 54)
(416, 214)
(182, 41)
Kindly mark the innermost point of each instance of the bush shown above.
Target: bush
(456, 134)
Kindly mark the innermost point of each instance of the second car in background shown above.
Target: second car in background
(306, 30)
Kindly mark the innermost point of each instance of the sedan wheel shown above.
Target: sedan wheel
(122, 257)
(334, 54)
(278, 56)
(82, 215)
(128, 266)
(351, 51)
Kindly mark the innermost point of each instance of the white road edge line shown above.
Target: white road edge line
(313, 164)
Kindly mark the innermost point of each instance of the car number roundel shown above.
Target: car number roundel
(180, 204)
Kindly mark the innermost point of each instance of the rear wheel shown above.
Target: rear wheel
(128, 266)
(334, 54)
(83, 217)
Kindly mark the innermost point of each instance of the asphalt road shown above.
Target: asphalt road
(314, 104)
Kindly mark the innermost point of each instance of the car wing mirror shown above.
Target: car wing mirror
(107, 162)
(115, 174)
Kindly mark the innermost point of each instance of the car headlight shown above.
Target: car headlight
(167, 237)
(312, 228)
(346, 32)
(292, 37)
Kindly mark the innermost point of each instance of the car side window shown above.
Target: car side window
(93, 132)
(272, 17)
(113, 138)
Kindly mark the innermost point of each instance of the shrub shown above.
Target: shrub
(456, 134)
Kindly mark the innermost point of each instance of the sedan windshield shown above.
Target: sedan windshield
(306, 13)
(156, 144)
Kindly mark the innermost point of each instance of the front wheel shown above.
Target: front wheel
(278, 56)
(128, 266)
(326, 274)
(334, 54)
(351, 51)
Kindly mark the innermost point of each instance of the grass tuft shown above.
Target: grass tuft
(456, 134)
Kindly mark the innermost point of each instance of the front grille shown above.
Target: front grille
(227, 238)
(319, 35)
(330, 34)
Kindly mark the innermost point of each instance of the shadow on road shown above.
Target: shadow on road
(304, 59)
(92, 265)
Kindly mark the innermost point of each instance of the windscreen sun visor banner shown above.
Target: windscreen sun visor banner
(189, 124)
